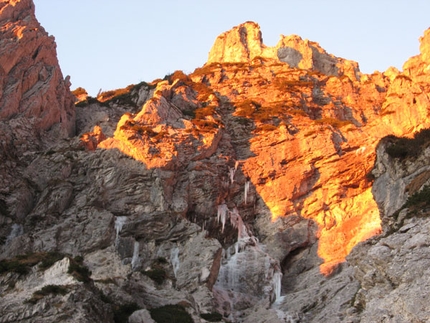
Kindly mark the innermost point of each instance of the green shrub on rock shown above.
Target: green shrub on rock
(123, 312)
(212, 317)
(170, 314)
(47, 290)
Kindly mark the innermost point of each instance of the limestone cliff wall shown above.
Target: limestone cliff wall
(36, 106)
(203, 190)
(34, 97)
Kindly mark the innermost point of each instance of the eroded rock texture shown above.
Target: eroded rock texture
(242, 192)
(36, 106)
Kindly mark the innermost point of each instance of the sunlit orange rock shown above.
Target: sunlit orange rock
(243, 43)
(302, 124)
(32, 85)
(80, 93)
(91, 140)
(160, 136)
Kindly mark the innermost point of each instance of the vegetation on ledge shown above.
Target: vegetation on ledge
(403, 148)
(158, 275)
(22, 264)
(336, 123)
(170, 314)
(78, 270)
(212, 317)
(47, 290)
(123, 312)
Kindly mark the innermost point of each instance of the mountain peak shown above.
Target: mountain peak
(240, 44)
(244, 43)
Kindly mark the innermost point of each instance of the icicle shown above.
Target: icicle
(174, 259)
(17, 230)
(232, 171)
(277, 279)
(242, 231)
(135, 260)
(222, 215)
(119, 223)
(246, 191)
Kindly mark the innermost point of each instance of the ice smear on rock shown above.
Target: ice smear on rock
(17, 230)
(135, 261)
(174, 259)
(232, 171)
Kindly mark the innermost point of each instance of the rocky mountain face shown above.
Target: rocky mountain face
(255, 189)
(36, 106)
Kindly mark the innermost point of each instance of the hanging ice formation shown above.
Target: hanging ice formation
(119, 223)
(246, 191)
(135, 261)
(232, 171)
(222, 215)
(237, 223)
(242, 278)
(174, 259)
(277, 279)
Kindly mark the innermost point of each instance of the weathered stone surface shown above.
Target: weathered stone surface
(392, 269)
(36, 106)
(32, 88)
(196, 261)
(141, 316)
(201, 189)
(19, 302)
(243, 43)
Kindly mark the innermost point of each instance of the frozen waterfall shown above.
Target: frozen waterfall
(247, 272)
(277, 280)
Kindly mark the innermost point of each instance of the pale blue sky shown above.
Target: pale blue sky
(110, 44)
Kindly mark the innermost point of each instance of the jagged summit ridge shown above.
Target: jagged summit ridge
(244, 43)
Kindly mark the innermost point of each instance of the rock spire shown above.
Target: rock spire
(34, 96)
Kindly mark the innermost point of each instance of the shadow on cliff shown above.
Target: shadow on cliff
(292, 240)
